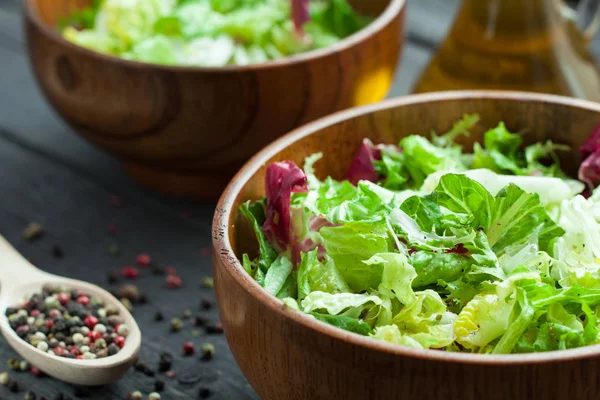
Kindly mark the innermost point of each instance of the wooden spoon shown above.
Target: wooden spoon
(19, 278)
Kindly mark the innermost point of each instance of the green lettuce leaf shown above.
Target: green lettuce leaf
(351, 244)
(345, 323)
(334, 304)
(314, 275)
(277, 275)
(256, 215)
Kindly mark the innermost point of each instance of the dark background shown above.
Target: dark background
(51, 176)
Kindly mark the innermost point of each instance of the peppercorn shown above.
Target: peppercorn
(113, 249)
(29, 395)
(206, 303)
(137, 395)
(58, 252)
(215, 328)
(176, 325)
(204, 392)
(207, 282)
(201, 319)
(159, 385)
(154, 396)
(24, 366)
(189, 348)
(208, 351)
(112, 277)
(165, 363)
(157, 270)
(127, 304)
(130, 292)
(13, 364)
(129, 272)
(143, 299)
(187, 314)
(173, 281)
(33, 231)
(13, 386)
(4, 378)
(159, 316)
(143, 260)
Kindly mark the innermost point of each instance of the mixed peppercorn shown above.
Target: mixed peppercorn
(69, 323)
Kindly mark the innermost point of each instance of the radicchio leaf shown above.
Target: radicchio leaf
(282, 178)
(300, 14)
(589, 171)
(362, 168)
(592, 145)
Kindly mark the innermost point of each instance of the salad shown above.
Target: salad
(210, 33)
(427, 246)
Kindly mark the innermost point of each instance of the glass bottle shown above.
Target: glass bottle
(529, 45)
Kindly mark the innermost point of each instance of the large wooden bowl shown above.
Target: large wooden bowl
(185, 131)
(287, 355)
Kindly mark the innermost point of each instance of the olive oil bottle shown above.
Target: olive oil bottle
(529, 45)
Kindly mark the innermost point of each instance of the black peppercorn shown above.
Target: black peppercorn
(204, 392)
(159, 385)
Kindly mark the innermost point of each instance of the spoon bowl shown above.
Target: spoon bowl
(19, 278)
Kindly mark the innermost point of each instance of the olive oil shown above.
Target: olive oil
(528, 45)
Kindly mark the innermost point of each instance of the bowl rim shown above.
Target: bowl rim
(392, 10)
(223, 251)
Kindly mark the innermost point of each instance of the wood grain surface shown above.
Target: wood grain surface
(288, 355)
(185, 131)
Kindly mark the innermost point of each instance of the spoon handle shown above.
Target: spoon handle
(14, 268)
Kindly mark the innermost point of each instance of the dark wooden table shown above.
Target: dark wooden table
(51, 176)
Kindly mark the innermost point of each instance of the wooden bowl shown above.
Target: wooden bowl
(185, 131)
(288, 355)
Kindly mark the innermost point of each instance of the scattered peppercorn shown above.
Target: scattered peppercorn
(214, 328)
(4, 378)
(208, 351)
(159, 316)
(170, 270)
(143, 260)
(112, 277)
(189, 348)
(130, 292)
(173, 281)
(187, 314)
(12, 363)
(176, 325)
(204, 392)
(170, 374)
(66, 323)
(127, 304)
(159, 385)
(143, 299)
(201, 319)
(130, 272)
(154, 396)
(58, 252)
(207, 282)
(137, 395)
(13, 386)
(166, 362)
(157, 269)
(29, 395)
(206, 303)
(33, 231)
(113, 249)
(35, 371)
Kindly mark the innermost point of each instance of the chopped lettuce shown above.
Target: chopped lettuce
(210, 33)
(428, 247)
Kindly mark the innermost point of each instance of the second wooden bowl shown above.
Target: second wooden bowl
(186, 131)
(288, 355)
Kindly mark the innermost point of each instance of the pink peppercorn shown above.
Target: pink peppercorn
(189, 348)
(173, 281)
(54, 313)
(35, 371)
(34, 313)
(75, 351)
(93, 335)
(79, 357)
(84, 300)
(49, 324)
(170, 374)
(129, 272)
(63, 298)
(59, 351)
(119, 341)
(143, 260)
(90, 321)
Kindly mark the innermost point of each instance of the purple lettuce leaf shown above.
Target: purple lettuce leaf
(592, 145)
(362, 167)
(589, 171)
(282, 179)
(300, 15)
